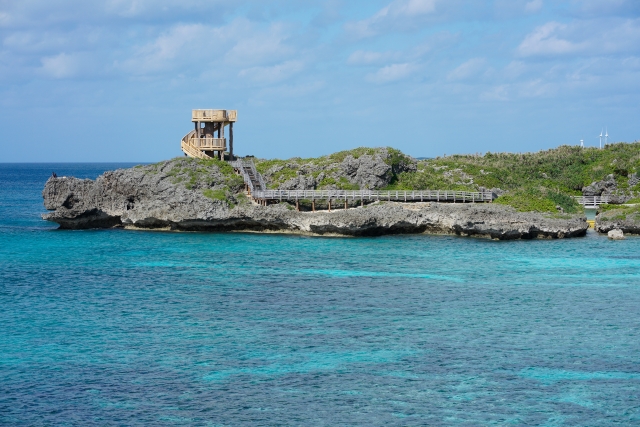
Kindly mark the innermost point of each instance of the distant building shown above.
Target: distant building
(202, 142)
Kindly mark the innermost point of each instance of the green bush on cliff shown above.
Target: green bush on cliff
(566, 168)
(527, 201)
(539, 200)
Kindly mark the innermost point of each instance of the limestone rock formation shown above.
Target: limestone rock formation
(624, 218)
(155, 197)
(374, 169)
(616, 235)
(608, 187)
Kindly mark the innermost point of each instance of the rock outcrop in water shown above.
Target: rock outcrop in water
(625, 218)
(156, 197)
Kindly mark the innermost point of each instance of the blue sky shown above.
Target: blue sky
(115, 80)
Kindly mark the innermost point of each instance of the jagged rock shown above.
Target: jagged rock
(300, 182)
(372, 171)
(137, 198)
(599, 188)
(367, 171)
(616, 235)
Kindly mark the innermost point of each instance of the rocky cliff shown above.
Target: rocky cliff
(192, 196)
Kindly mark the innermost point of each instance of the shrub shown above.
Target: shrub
(215, 194)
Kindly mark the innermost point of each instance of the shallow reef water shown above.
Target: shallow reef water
(116, 327)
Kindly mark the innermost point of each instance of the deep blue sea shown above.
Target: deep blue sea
(126, 328)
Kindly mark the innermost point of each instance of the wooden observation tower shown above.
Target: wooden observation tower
(202, 142)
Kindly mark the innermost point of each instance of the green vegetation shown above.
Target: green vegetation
(277, 171)
(566, 169)
(546, 178)
(215, 194)
(544, 181)
(202, 173)
(619, 212)
(538, 200)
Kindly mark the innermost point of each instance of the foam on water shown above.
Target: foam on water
(115, 327)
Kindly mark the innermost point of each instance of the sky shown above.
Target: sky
(115, 80)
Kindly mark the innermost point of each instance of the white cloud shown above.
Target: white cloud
(497, 93)
(392, 73)
(593, 37)
(367, 57)
(196, 46)
(274, 73)
(536, 88)
(5, 19)
(256, 47)
(469, 69)
(545, 40)
(397, 12)
(514, 70)
(533, 6)
(60, 66)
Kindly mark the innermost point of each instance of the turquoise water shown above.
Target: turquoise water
(119, 327)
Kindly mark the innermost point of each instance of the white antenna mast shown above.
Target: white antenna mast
(600, 139)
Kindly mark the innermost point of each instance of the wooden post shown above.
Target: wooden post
(231, 141)
(362, 201)
(345, 205)
(313, 205)
(297, 205)
(329, 205)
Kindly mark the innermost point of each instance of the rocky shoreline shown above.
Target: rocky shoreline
(143, 199)
(625, 218)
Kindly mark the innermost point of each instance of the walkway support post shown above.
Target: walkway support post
(231, 141)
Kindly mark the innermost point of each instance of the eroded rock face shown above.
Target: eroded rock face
(618, 219)
(609, 187)
(368, 171)
(140, 199)
(128, 196)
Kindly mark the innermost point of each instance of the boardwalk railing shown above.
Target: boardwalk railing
(395, 195)
(209, 143)
(251, 177)
(592, 201)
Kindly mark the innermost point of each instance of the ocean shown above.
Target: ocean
(127, 328)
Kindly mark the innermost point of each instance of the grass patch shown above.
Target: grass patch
(527, 201)
(215, 194)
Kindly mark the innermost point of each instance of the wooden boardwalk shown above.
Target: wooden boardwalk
(374, 195)
(257, 189)
(592, 202)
